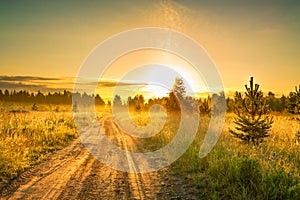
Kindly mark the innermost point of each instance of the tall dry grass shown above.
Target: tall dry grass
(235, 170)
(232, 170)
(27, 138)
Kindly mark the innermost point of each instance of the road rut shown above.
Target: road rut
(73, 173)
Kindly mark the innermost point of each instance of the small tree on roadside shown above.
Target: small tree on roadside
(294, 101)
(294, 105)
(252, 119)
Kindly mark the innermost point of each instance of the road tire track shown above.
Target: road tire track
(73, 173)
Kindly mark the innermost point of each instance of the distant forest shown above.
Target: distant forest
(290, 103)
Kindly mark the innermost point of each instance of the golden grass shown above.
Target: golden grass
(27, 138)
(233, 169)
(281, 148)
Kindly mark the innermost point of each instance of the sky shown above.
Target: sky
(44, 43)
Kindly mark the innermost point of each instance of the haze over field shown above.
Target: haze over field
(149, 99)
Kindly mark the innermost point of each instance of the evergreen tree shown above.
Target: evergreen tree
(205, 105)
(137, 103)
(294, 105)
(173, 104)
(108, 105)
(294, 101)
(276, 104)
(252, 119)
(99, 101)
(179, 88)
(229, 104)
(283, 103)
(117, 101)
(176, 96)
(272, 101)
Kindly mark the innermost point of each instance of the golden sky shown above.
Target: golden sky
(243, 38)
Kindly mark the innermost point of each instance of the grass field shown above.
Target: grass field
(27, 138)
(233, 170)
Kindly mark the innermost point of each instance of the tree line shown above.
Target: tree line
(171, 102)
(57, 98)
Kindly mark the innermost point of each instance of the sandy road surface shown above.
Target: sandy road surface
(73, 173)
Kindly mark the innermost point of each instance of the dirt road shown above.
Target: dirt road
(73, 173)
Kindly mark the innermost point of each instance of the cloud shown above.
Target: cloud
(27, 78)
(48, 84)
(9, 85)
(116, 83)
(30, 87)
(32, 83)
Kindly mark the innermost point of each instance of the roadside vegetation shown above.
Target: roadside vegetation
(235, 170)
(26, 138)
(256, 157)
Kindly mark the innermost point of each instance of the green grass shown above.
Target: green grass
(234, 170)
(27, 138)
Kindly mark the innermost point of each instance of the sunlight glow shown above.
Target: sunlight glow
(155, 58)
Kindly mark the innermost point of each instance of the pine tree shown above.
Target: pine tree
(294, 101)
(294, 105)
(99, 101)
(176, 96)
(173, 104)
(179, 88)
(117, 101)
(252, 119)
(205, 105)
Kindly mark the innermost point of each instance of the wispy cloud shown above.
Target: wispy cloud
(49, 84)
(10, 85)
(27, 78)
(33, 83)
(111, 83)
(30, 87)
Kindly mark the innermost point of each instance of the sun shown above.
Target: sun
(152, 72)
